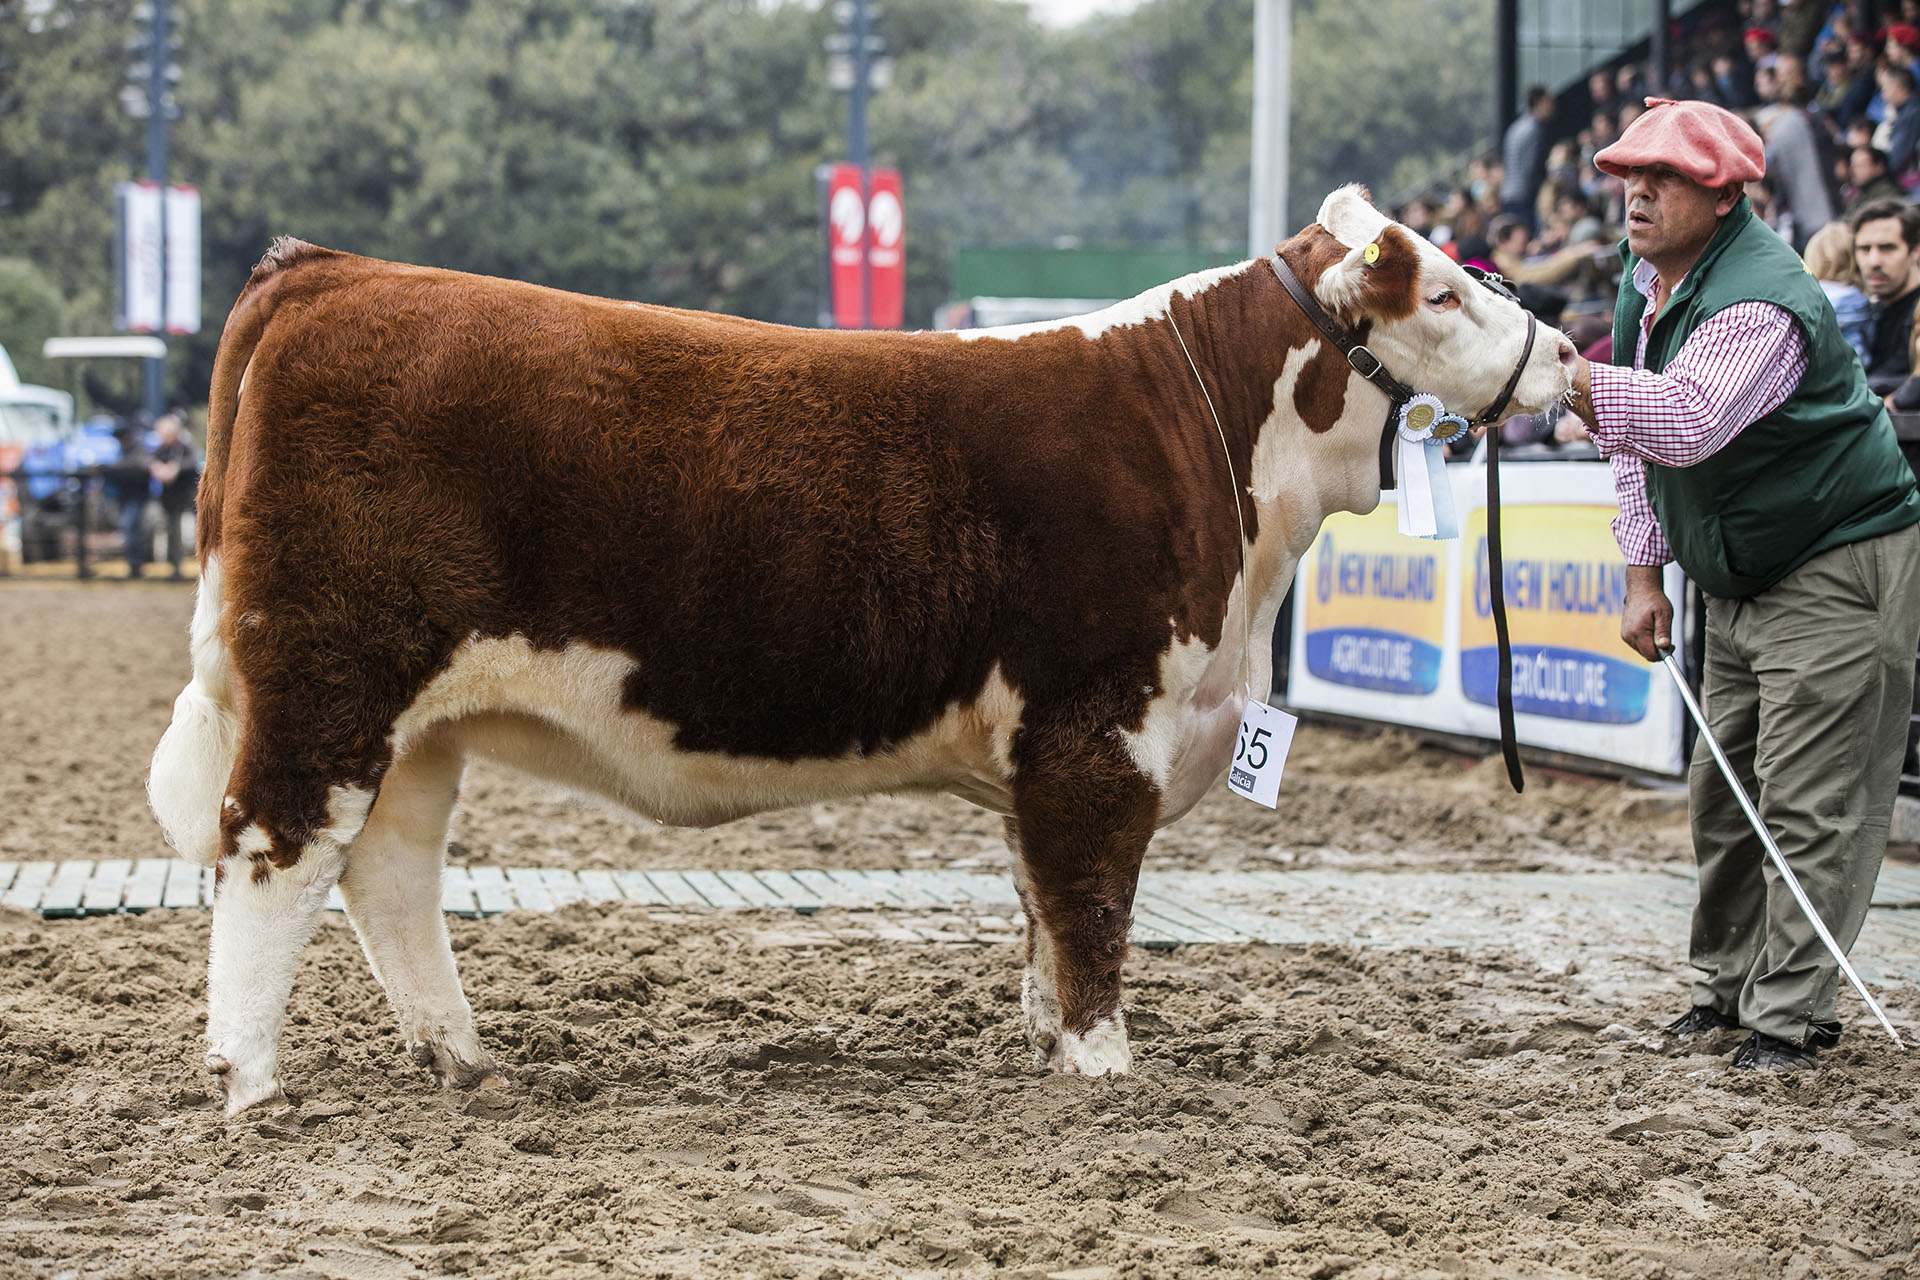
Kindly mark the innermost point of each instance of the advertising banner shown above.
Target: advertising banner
(139, 261)
(886, 250)
(866, 225)
(846, 242)
(1565, 585)
(1374, 609)
(183, 260)
(1400, 630)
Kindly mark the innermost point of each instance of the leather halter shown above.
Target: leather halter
(1368, 366)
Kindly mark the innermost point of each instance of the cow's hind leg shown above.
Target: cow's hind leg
(270, 891)
(392, 888)
(1078, 836)
(313, 749)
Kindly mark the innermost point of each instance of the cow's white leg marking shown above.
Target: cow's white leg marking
(1102, 1051)
(196, 754)
(259, 928)
(392, 888)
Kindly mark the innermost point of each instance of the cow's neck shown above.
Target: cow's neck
(1302, 428)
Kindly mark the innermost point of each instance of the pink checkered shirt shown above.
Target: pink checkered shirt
(1736, 368)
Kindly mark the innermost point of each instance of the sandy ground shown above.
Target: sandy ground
(690, 1098)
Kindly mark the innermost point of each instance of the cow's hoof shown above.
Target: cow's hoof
(241, 1091)
(454, 1071)
(1102, 1051)
(1040, 1012)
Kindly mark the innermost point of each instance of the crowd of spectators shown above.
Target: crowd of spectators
(1830, 88)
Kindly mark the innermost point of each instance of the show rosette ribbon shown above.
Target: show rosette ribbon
(1426, 495)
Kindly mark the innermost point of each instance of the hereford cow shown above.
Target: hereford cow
(707, 567)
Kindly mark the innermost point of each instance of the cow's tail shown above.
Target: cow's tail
(265, 290)
(187, 783)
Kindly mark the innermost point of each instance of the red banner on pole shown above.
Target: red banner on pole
(846, 239)
(867, 224)
(886, 250)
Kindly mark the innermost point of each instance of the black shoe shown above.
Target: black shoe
(1701, 1020)
(1761, 1052)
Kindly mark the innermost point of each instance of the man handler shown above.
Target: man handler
(1746, 446)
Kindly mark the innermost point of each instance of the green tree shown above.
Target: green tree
(30, 308)
(665, 150)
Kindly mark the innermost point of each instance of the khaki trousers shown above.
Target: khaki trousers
(1808, 687)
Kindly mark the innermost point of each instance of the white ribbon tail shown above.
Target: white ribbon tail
(1426, 494)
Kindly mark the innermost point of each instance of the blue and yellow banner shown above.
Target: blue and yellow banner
(1565, 582)
(1374, 605)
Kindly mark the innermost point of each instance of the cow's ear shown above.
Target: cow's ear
(1378, 280)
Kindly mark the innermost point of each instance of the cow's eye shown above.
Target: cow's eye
(1442, 299)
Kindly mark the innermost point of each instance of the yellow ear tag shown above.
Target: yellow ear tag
(1372, 254)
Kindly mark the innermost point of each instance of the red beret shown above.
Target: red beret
(1709, 144)
(1761, 33)
(1905, 33)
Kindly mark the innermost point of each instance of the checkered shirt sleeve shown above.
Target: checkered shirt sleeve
(1737, 367)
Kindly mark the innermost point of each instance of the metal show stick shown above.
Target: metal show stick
(1773, 850)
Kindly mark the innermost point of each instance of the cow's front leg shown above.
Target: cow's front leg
(1078, 836)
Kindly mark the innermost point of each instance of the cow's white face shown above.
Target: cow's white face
(1434, 327)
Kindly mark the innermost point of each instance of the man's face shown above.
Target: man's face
(1861, 168)
(1893, 90)
(1886, 259)
(1670, 217)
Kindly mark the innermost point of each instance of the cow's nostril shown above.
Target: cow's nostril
(1568, 356)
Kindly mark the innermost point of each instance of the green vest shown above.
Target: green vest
(1820, 471)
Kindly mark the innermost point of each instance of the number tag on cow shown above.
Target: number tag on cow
(1261, 752)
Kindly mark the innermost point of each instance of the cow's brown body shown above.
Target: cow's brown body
(706, 566)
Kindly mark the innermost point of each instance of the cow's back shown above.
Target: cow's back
(809, 544)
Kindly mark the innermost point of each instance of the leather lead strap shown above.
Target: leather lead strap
(1364, 363)
(1503, 687)
(1368, 366)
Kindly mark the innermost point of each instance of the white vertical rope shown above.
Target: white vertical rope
(1246, 582)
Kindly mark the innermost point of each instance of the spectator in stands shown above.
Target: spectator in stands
(1900, 131)
(1704, 87)
(1459, 216)
(1600, 93)
(1732, 79)
(1800, 24)
(1830, 258)
(1903, 46)
(1628, 87)
(1845, 87)
(1509, 252)
(1905, 398)
(1886, 246)
(1868, 180)
(1794, 167)
(1762, 48)
(1523, 155)
(1734, 385)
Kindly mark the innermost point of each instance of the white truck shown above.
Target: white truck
(33, 423)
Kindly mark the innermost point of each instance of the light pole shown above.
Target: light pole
(857, 66)
(149, 95)
(1272, 75)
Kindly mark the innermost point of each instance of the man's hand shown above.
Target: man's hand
(1646, 620)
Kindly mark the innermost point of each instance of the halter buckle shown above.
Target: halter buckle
(1372, 366)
